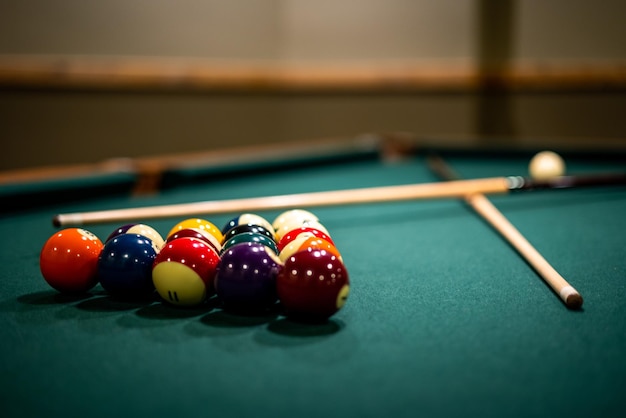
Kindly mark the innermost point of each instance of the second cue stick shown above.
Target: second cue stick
(437, 190)
(483, 206)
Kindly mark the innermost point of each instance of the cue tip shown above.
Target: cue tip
(67, 219)
(571, 297)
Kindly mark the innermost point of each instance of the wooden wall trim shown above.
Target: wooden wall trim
(147, 74)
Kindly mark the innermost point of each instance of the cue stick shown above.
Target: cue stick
(437, 190)
(483, 206)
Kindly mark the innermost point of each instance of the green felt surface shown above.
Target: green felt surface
(443, 319)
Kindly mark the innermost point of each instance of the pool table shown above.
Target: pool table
(444, 318)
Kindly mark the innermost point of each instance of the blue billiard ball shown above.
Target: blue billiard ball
(246, 277)
(125, 265)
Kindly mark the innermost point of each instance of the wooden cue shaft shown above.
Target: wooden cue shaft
(452, 189)
(483, 206)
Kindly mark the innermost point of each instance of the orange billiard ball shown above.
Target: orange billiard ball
(68, 260)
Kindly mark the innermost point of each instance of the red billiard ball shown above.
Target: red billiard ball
(68, 260)
(307, 242)
(246, 277)
(313, 285)
(125, 265)
(291, 235)
(184, 270)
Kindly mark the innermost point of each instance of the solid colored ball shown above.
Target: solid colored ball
(291, 235)
(141, 229)
(251, 237)
(546, 165)
(246, 277)
(69, 260)
(248, 219)
(313, 285)
(125, 265)
(197, 223)
(184, 270)
(308, 242)
(240, 229)
(198, 234)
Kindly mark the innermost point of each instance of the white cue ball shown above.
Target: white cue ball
(546, 165)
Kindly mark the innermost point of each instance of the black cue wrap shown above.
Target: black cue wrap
(518, 183)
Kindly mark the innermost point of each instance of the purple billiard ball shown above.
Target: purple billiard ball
(246, 277)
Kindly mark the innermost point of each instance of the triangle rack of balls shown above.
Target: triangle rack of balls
(249, 265)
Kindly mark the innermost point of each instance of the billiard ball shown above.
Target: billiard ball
(292, 217)
(141, 229)
(313, 285)
(307, 242)
(125, 265)
(199, 234)
(197, 223)
(546, 165)
(300, 214)
(246, 277)
(184, 270)
(291, 235)
(240, 229)
(290, 225)
(68, 260)
(251, 237)
(248, 219)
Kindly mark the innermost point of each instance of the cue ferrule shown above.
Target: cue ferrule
(518, 183)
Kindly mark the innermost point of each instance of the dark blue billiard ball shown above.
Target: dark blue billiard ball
(246, 277)
(125, 265)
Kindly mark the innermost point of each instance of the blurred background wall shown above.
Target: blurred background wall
(87, 81)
